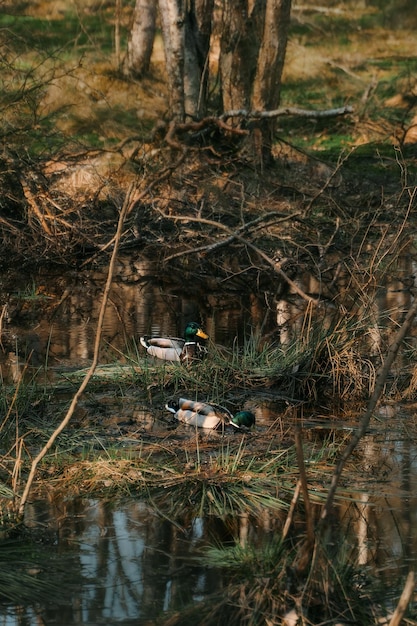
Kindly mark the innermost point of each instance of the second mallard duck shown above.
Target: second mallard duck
(191, 348)
(212, 416)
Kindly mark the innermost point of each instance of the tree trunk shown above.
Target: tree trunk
(172, 22)
(253, 40)
(141, 38)
(198, 20)
(238, 54)
(186, 27)
(253, 45)
(266, 92)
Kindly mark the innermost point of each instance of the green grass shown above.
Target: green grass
(51, 36)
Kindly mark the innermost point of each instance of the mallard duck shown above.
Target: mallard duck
(210, 416)
(174, 349)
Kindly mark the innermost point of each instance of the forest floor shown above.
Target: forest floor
(64, 180)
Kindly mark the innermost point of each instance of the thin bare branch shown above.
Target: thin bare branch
(262, 221)
(291, 510)
(404, 600)
(125, 209)
(235, 235)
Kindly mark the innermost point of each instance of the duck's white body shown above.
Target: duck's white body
(165, 348)
(201, 414)
(186, 350)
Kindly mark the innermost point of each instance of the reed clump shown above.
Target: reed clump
(219, 477)
(265, 587)
(332, 361)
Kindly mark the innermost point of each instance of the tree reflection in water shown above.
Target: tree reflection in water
(126, 562)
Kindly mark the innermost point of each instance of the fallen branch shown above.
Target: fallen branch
(220, 122)
(276, 266)
(264, 221)
(286, 111)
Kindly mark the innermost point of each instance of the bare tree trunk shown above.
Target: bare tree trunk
(253, 40)
(196, 56)
(267, 85)
(141, 38)
(253, 46)
(238, 54)
(172, 22)
(186, 27)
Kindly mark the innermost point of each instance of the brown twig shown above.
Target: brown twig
(404, 600)
(124, 211)
(236, 235)
(34, 206)
(291, 510)
(2, 316)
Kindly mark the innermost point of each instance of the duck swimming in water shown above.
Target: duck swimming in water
(191, 348)
(210, 416)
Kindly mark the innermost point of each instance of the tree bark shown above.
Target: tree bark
(141, 38)
(172, 22)
(238, 54)
(253, 46)
(253, 40)
(196, 56)
(267, 85)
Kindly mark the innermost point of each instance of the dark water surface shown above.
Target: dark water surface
(123, 564)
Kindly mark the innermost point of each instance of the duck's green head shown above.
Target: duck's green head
(192, 331)
(244, 418)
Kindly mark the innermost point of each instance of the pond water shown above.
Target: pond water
(123, 563)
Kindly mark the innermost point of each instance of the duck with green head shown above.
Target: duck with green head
(191, 348)
(211, 416)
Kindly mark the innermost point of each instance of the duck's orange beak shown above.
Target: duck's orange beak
(200, 333)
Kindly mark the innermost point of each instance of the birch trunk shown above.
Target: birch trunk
(141, 38)
(172, 23)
